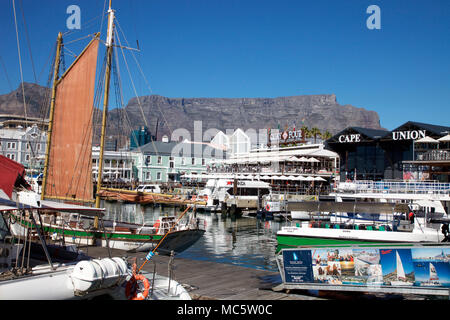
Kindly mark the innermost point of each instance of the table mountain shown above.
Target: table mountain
(321, 111)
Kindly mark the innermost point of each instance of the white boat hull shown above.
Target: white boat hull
(427, 235)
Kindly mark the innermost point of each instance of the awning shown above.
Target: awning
(427, 139)
(11, 173)
(445, 138)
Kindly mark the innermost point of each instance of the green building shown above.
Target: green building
(160, 161)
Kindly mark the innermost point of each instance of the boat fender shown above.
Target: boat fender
(156, 226)
(131, 288)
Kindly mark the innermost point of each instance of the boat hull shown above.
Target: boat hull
(297, 237)
(177, 241)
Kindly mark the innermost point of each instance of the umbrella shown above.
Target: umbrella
(319, 179)
(312, 159)
(427, 139)
(445, 138)
(309, 178)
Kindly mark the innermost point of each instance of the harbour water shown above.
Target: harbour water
(244, 241)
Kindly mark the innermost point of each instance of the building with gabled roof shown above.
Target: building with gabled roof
(374, 154)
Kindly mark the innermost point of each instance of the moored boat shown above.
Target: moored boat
(391, 226)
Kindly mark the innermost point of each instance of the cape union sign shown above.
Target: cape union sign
(349, 138)
(408, 135)
(396, 135)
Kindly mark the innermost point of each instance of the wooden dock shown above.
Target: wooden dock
(206, 280)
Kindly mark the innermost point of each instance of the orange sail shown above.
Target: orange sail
(69, 174)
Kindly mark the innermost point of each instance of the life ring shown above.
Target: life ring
(156, 226)
(267, 207)
(131, 291)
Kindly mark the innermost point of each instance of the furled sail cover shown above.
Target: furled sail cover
(70, 166)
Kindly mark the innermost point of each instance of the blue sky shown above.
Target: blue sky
(247, 48)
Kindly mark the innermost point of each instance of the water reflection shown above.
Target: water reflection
(245, 241)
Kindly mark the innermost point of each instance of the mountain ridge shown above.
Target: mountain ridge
(166, 114)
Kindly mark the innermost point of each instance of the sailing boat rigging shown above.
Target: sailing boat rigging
(68, 164)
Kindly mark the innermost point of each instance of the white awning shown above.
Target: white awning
(427, 139)
(445, 138)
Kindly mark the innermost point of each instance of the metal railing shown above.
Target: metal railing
(395, 186)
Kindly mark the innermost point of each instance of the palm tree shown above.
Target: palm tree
(306, 133)
(315, 132)
(326, 135)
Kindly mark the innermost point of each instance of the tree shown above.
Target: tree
(326, 135)
(306, 133)
(315, 132)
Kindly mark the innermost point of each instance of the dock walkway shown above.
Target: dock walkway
(206, 280)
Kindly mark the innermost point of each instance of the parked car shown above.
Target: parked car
(154, 188)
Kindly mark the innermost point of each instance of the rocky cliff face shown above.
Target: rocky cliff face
(36, 96)
(321, 111)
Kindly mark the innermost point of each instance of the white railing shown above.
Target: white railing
(395, 187)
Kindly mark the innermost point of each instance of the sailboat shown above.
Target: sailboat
(67, 173)
(401, 279)
(34, 267)
(433, 279)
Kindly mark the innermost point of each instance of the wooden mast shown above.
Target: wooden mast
(52, 109)
(109, 46)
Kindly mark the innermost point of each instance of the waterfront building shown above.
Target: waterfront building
(306, 168)
(166, 161)
(140, 137)
(24, 145)
(117, 165)
(236, 143)
(403, 153)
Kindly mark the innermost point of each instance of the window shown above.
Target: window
(193, 161)
(159, 159)
(27, 157)
(158, 176)
(148, 160)
(183, 161)
(11, 146)
(203, 161)
(147, 176)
